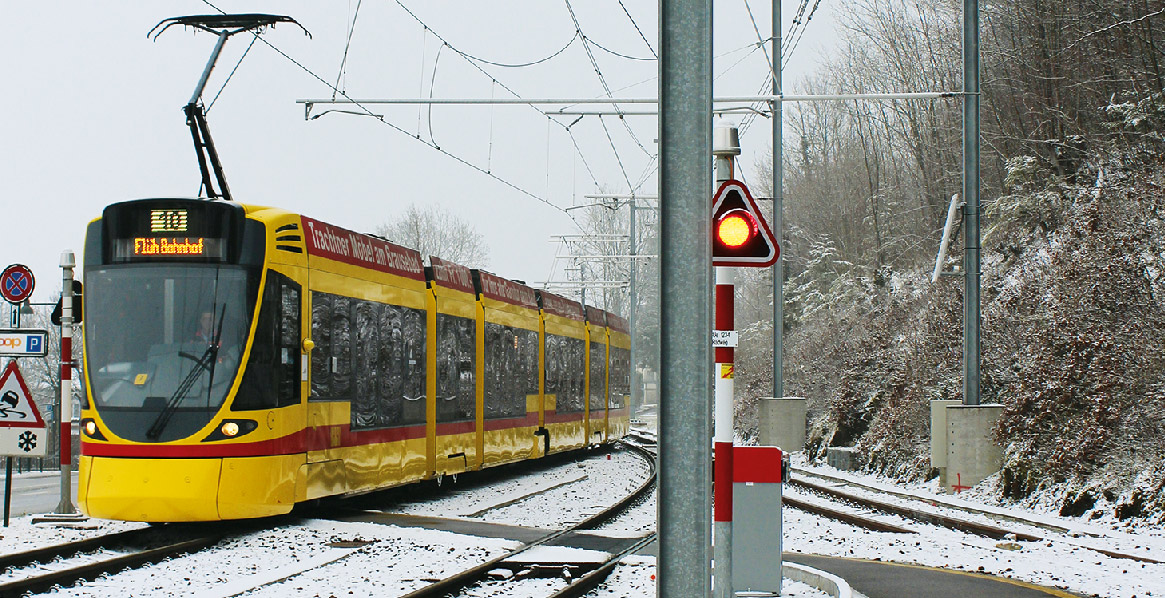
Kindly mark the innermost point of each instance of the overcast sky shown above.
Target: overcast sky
(93, 114)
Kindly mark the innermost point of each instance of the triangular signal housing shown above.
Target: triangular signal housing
(762, 249)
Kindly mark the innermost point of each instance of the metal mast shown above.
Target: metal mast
(685, 418)
(778, 221)
(971, 259)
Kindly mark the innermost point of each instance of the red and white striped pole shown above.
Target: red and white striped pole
(723, 435)
(725, 145)
(68, 262)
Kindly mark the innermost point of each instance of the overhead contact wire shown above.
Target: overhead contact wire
(368, 112)
(638, 30)
(477, 66)
(347, 45)
(603, 81)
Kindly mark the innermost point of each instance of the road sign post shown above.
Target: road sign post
(22, 431)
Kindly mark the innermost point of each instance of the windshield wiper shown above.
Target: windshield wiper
(204, 363)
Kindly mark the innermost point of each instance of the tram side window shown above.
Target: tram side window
(598, 371)
(321, 355)
(365, 335)
(401, 355)
(371, 354)
(456, 368)
(565, 372)
(620, 376)
(271, 378)
(511, 370)
(331, 360)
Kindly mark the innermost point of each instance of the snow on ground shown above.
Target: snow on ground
(21, 534)
(394, 561)
(576, 491)
(1060, 561)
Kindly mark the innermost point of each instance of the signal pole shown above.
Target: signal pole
(68, 262)
(725, 146)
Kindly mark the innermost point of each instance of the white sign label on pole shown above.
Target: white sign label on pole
(725, 338)
(22, 431)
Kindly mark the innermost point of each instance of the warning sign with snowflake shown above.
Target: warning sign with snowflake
(22, 431)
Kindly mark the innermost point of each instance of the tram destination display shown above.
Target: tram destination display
(172, 230)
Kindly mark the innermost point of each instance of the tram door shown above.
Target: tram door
(276, 366)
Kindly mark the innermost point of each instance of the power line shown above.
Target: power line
(402, 131)
(347, 44)
(614, 53)
(637, 29)
(495, 81)
(599, 72)
(801, 34)
(760, 38)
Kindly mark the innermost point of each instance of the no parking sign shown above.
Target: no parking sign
(16, 283)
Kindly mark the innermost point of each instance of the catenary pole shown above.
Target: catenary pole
(632, 307)
(971, 257)
(685, 434)
(778, 221)
(65, 409)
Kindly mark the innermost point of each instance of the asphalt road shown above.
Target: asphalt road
(36, 492)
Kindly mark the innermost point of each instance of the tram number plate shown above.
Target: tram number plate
(725, 338)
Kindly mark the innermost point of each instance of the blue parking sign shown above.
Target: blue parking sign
(33, 343)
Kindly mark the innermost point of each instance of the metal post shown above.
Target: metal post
(7, 490)
(971, 258)
(65, 409)
(725, 145)
(222, 39)
(778, 221)
(636, 393)
(685, 135)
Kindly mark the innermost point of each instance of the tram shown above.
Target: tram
(239, 360)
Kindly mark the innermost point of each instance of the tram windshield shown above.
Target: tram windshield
(163, 344)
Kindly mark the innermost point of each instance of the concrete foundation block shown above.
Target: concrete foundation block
(939, 444)
(844, 458)
(972, 454)
(782, 423)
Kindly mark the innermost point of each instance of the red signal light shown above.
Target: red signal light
(735, 228)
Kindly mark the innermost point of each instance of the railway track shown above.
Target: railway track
(38, 570)
(524, 562)
(929, 512)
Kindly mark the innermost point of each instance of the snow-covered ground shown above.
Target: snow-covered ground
(332, 558)
(304, 560)
(1062, 560)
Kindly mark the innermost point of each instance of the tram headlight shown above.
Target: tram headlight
(231, 429)
(89, 426)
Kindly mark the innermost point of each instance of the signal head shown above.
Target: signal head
(735, 228)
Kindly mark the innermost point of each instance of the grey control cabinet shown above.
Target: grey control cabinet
(757, 473)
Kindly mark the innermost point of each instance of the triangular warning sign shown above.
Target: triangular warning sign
(17, 409)
(753, 245)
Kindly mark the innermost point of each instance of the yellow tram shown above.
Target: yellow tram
(242, 359)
